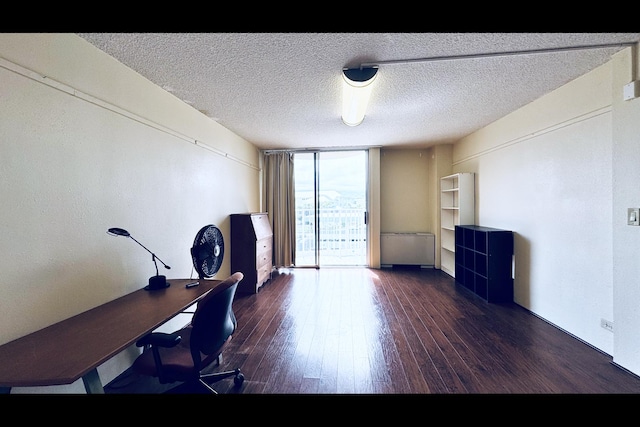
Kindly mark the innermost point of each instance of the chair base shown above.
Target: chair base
(206, 379)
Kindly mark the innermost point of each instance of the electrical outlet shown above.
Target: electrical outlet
(608, 325)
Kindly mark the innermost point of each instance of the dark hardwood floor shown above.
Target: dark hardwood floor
(397, 331)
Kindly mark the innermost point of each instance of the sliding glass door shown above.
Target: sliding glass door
(331, 208)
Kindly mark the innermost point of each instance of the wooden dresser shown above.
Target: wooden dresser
(251, 250)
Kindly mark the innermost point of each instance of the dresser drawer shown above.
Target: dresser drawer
(264, 258)
(264, 249)
(264, 274)
(263, 246)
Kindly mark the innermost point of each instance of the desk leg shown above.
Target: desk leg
(92, 382)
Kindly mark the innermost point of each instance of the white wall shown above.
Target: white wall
(626, 194)
(88, 144)
(546, 172)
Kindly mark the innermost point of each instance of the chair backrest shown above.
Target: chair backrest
(214, 321)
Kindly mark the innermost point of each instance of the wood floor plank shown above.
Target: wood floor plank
(410, 361)
(398, 331)
(425, 318)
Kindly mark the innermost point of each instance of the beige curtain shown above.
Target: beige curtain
(279, 202)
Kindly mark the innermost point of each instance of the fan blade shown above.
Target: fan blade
(202, 250)
(209, 263)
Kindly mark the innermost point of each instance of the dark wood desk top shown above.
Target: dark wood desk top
(64, 352)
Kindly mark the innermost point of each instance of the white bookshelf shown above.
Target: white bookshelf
(457, 207)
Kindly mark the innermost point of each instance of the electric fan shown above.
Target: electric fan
(207, 251)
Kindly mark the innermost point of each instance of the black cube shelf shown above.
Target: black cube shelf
(484, 260)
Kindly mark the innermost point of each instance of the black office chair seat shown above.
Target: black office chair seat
(182, 356)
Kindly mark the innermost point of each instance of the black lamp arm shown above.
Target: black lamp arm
(153, 256)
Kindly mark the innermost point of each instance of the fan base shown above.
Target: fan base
(157, 282)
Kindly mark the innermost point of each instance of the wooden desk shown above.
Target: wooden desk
(74, 348)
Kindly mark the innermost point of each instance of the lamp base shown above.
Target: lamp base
(157, 282)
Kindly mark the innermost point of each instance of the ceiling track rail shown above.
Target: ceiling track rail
(498, 54)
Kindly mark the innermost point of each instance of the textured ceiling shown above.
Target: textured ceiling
(283, 90)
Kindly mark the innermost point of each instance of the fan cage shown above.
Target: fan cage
(208, 251)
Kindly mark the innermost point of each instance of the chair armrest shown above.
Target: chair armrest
(160, 339)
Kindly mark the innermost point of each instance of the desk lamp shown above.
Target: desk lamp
(155, 282)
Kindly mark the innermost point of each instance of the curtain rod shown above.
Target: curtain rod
(311, 150)
(487, 55)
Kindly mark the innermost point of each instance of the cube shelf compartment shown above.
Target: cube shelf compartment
(484, 261)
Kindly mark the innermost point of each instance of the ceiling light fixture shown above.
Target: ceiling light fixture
(356, 90)
(357, 82)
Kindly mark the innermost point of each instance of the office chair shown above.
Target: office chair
(183, 355)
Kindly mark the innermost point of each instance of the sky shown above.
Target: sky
(339, 171)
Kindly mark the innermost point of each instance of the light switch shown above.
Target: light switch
(633, 216)
(630, 90)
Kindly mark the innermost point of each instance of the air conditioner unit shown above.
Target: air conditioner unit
(407, 249)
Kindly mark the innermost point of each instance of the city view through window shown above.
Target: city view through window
(336, 183)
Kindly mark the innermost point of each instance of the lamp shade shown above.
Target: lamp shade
(356, 90)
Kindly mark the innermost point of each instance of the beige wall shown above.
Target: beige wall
(373, 189)
(547, 172)
(87, 144)
(440, 164)
(404, 191)
(410, 191)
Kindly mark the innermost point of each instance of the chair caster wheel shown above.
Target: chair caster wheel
(238, 380)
